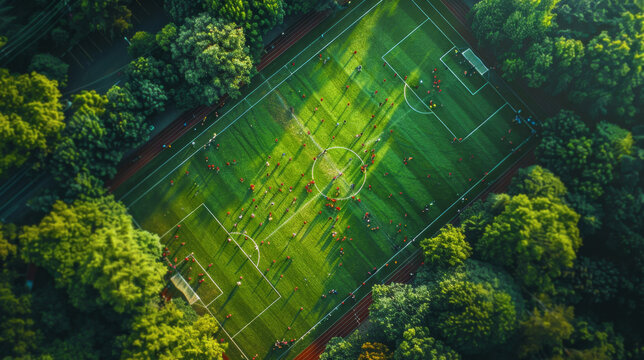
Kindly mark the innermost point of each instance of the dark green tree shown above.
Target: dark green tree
(167, 334)
(31, 118)
(418, 344)
(536, 181)
(448, 248)
(92, 250)
(536, 239)
(211, 57)
(142, 43)
(50, 66)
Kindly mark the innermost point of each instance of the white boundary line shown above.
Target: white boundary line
(394, 255)
(179, 222)
(470, 46)
(406, 36)
(251, 239)
(239, 102)
(410, 242)
(413, 108)
(240, 248)
(483, 123)
(221, 292)
(459, 79)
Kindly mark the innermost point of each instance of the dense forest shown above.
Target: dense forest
(553, 269)
(86, 300)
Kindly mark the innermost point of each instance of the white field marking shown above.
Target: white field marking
(180, 221)
(470, 46)
(258, 315)
(289, 70)
(458, 78)
(335, 166)
(242, 250)
(414, 239)
(430, 19)
(135, 222)
(351, 308)
(192, 255)
(225, 332)
(489, 117)
(208, 128)
(406, 36)
(419, 99)
(251, 239)
(413, 108)
(289, 219)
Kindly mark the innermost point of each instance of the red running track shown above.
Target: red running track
(191, 118)
(352, 319)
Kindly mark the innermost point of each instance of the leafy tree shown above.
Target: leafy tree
(546, 331)
(95, 253)
(417, 344)
(375, 351)
(515, 27)
(102, 15)
(167, 334)
(256, 17)
(166, 36)
(50, 66)
(472, 317)
(585, 163)
(448, 248)
(595, 341)
(292, 7)
(536, 181)
(179, 10)
(344, 348)
(211, 57)
(141, 44)
(397, 307)
(536, 239)
(611, 79)
(30, 118)
(594, 280)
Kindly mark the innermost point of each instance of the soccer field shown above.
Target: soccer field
(323, 178)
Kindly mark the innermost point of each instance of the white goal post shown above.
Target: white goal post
(182, 285)
(475, 61)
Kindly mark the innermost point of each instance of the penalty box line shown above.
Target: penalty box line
(279, 296)
(208, 128)
(242, 250)
(486, 120)
(419, 99)
(459, 79)
(415, 238)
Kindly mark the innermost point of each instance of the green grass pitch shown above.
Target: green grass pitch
(271, 215)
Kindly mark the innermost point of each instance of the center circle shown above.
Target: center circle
(338, 173)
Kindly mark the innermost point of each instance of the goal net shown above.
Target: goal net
(182, 285)
(475, 61)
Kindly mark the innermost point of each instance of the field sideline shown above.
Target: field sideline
(319, 180)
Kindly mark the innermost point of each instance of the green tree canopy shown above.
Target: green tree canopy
(375, 351)
(536, 239)
(211, 57)
(50, 66)
(397, 307)
(166, 334)
(95, 253)
(142, 43)
(536, 181)
(446, 249)
(417, 344)
(546, 331)
(30, 118)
